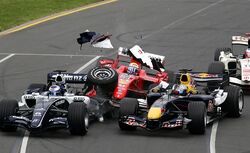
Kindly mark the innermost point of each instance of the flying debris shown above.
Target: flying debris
(96, 39)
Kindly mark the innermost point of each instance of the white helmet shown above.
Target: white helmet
(55, 90)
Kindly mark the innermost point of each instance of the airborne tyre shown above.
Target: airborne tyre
(39, 87)
(234, 103)
(198, 114)
(8, 107)
(128, 106)
(104, 77)
(218, 50)
(78, 118)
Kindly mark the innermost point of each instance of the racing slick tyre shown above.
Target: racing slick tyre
(39, 87)
(104, 77)
(215, 68)
(234, 103)
(101, 59)
(152, 86)
(197, 112)
(128, 106)
(218, 50)
(171, 77)
(153, 94)
(78, 118)
(8, 107)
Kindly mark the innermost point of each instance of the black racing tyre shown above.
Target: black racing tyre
(98, 63)
(112, 114)
(215, 68)
(78, 118)
(218, 50)
(171, 76)
(8, 107)
(151, 86)
(128, 106)
(234, 103)
(39, 87)
(104, 77)
(197, 112)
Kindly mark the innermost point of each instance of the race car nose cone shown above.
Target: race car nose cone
(35, 123)
(154, 113)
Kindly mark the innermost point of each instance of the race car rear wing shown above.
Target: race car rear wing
(69, 77)
(206, 77)
(241, 40)
(150, 60)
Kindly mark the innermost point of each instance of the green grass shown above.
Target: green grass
(16, 12)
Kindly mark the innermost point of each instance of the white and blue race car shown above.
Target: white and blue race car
(53, 106)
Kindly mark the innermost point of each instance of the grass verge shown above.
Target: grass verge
(16, 12)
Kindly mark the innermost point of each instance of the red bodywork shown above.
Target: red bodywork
(132, 84)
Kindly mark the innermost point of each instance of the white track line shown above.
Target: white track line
(24, 142)
(26, 134)
(215, 125)
(213, 137)
(7, 57)
(86, 65)
(180, 20)
(55, 55)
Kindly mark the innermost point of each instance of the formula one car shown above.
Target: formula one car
(132, 80)
(238, 66)
(53, 106)
(184, 105)
(135, 71)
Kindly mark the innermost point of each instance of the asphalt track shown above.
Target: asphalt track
(185, 31)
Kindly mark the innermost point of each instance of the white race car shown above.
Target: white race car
(52, 106)
(238, 66)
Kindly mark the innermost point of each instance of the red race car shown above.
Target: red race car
(130, 74)
(131, 77)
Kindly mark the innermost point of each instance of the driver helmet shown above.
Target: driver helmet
(182, 90)
(60, 79)
(55, 90)
(247, 53)
(133, 69)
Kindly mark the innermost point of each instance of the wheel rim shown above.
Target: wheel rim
(205, 118)
(86, 121)
(102, 73)
(241, 103)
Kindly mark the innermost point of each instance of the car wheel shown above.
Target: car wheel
(8, 107)
(215, 68)
(128, 106)
(171, 77)
(78, 118)
(104, 77)
(198, 115)
(219, 50)
(234, 103)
